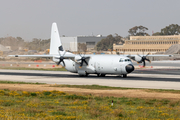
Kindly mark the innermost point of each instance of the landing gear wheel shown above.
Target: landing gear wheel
(98, 74)
(103, 75)
(87, 74)
(124, 75)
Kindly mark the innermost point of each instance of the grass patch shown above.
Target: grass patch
(52, 105)
(99, 87)
(43, 69)
(163, 91)
(13, 82)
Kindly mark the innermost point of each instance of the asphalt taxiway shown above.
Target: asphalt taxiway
(165, 78)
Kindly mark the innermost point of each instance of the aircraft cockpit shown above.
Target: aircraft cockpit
(124, 60)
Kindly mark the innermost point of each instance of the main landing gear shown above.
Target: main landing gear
(101, 75)
(124, 75)
(86, 74)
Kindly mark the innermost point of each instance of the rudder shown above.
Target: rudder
(55, 43)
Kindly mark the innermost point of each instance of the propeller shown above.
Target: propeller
(83, 60)
(61, 58)
(143, 59)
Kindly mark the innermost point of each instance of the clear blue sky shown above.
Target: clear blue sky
(33, 18)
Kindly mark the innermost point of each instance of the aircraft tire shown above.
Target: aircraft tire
(124, 75)
(103, 75)
(98, 74)
(87, 74)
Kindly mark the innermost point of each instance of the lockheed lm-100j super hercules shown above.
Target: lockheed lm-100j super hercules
(86, 64)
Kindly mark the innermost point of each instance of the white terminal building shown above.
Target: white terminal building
(71, 43)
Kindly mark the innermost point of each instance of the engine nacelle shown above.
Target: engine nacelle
(77, 58)
(138, 58)
(55, 60)
(70, 65)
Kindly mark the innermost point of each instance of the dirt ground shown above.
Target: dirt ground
(134, 93)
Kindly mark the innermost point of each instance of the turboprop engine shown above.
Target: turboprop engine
(142, 59)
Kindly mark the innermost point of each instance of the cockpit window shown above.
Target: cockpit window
(126, 60)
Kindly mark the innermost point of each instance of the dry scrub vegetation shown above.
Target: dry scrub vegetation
(25, 101)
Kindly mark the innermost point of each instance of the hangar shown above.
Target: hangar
(71, 43)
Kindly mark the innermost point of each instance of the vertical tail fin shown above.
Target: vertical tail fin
(55, 43)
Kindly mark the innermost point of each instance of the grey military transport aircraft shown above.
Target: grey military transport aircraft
(88, 64)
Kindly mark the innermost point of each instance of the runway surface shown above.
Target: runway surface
(149, 78)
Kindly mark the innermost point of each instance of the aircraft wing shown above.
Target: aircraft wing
(66, 56)
(150, 55)
(41, 56)
(44, 56)
(72, 57)
(160, 55)
(157, 55)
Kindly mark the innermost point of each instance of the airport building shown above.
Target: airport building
(152, 44)
(71, 43)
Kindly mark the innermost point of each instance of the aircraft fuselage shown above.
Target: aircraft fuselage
(101, 64)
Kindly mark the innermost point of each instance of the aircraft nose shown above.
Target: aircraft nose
(129, 68)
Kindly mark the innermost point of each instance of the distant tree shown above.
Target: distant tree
(107, 43)
(15, 43)
(157, 34)
(82, 47)
(173, 29)
(138, 31)
(38, 44)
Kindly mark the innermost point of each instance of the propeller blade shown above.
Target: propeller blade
(61, 58)
(85, 62)
(64, 63)
(59, 53)
(147, 54)
(83, 59)
(138, 55)
(144, 63)
(81, 63)
(144, 59)
(80, 54)
(64, 53)
(58, 62)
(148, 60)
